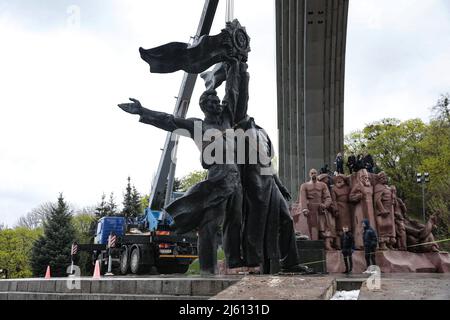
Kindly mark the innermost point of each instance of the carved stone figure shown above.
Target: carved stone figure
(361, 196)
(399, 214)
(341, 206)
(420, 237)
(329, 215)
(315, 199)
(384, 212)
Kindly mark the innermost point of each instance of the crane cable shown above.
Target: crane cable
(229, 13)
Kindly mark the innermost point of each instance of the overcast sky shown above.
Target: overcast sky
(61, 78)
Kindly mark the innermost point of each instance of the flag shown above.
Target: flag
(195, 59)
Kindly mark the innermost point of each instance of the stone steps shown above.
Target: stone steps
(156, 288)
(90, 296)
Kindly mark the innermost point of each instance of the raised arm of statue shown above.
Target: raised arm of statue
(242, 103)
(161, 120)
(232, 88)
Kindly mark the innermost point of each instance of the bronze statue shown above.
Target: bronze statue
(268, 236)
(217, 198)
(341, 206)
(399, 214)
(315, 199)
(384, 211)
(361, 196)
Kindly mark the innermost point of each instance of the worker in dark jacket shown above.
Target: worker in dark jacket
(351, 163)
(348, 246)
(339, 163)
(370, 243)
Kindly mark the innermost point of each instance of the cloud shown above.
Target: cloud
(398, 59)
(60, 129)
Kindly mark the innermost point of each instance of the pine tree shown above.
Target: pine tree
(112, 206)
(54, 247)
(135, 203)
(127, 201)
(102, 208)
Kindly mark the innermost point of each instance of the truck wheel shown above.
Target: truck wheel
(124, 261)
(135, 261)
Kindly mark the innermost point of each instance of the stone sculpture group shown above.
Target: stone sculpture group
(332, 203)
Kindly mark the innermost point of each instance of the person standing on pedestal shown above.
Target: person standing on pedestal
(339, 163)
(348, 246)
(351, 163)
(370, 243)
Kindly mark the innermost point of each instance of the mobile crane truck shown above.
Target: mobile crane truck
(145, 245)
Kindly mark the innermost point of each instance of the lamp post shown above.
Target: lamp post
(423, 179)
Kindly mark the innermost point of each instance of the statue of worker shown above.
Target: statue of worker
(384, 212)
(315, 199)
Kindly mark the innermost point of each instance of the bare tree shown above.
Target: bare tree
(36, 217)
(441, 110)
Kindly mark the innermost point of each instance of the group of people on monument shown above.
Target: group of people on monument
(355, 163)
(360, 212)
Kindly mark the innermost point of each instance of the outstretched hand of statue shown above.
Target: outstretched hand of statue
(133, 108)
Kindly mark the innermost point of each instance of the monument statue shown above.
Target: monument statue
(217, 198)
(329, 215)
(399, 214)
(341, 206)
(268, 236)
(384, 211)
(314, 201)
(247, 199)
(420, 237)
(361, 196)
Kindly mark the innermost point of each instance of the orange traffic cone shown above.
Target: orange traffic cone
(47, 273)
(96, 270)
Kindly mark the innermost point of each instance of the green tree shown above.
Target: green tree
(102, 208)
(84, 225)
(53, 248)
(136, 202)
(15, 248)
(112, 206)
(396, 149)
(131, 201)
(191, 179)
(144, 202)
